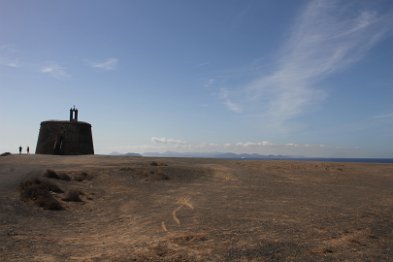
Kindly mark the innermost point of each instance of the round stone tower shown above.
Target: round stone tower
(65, 137)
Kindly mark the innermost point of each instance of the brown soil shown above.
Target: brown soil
(145, 209)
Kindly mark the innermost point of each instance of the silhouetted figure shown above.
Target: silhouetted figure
(28, 150)
(20, 150)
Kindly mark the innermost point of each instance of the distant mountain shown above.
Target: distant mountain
(230, 155)
(222, 155)
(133, 154)
(126, 154)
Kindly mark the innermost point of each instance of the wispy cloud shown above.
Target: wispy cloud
(8, 56)
(54, 70)
(108, 64)
(326, 38)
(13, 63)
(202, 64)
(224, 95)
(164, 140)
(209, 82)
(387, 116)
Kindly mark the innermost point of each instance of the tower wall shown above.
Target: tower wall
(65, 138)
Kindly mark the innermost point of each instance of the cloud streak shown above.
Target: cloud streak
(54, 70)
(108, 64)
(249, 146)
(10, 63)
(387, 116)
(231, 105)
(166, 141)
(7, 56)
(325, 39)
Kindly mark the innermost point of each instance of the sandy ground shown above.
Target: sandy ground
(149, 209)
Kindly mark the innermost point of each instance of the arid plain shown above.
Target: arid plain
(112, 208)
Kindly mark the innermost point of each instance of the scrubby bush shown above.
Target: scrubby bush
(40, 192)
(73, 196)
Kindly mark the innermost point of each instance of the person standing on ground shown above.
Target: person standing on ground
(28, 150)
(20, 150)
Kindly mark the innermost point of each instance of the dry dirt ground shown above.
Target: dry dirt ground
(101, 208)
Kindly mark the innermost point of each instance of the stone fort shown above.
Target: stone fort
(62, 137)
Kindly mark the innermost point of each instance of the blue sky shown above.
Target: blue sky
(311, 78)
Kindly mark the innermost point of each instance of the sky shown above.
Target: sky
(300, 78)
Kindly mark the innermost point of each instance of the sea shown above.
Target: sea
(234, 156)
(341, 160)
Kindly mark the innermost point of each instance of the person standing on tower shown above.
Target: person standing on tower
(28, 150)
(20, 150)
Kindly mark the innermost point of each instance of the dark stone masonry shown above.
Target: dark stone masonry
(58, 137)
